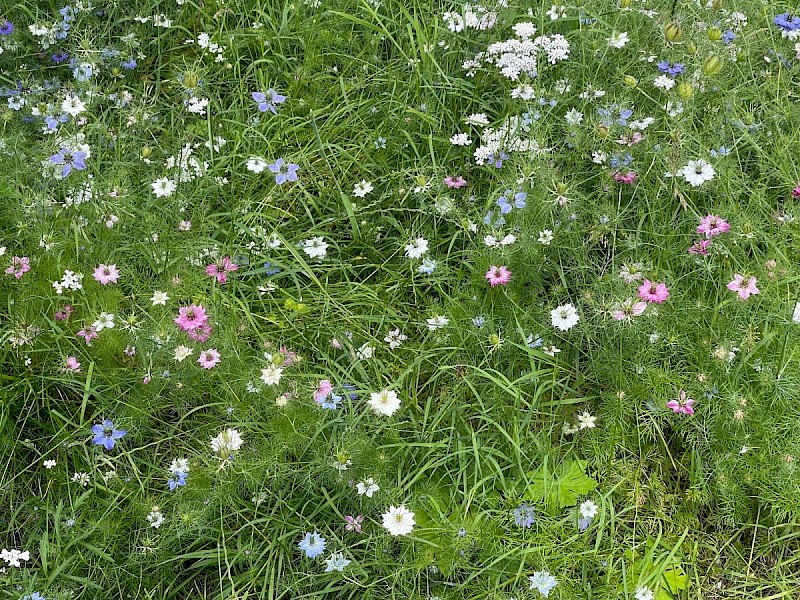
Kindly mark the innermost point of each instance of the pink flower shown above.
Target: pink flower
(19, 266)
(88, 335)
(653, 292)
(712, 225)
(63, 315)
(498, 275)
(201, 334)
(629, 309)
(73, 364)
(739, 286)
(289, 356)
(209, 358)
(323, 390)
(796, 192)
(354, 523)
(457, 182)
(682, 405)
(628, 177)
(147, 379)
(700, 247)
(220, 270)
(106, 274)
(191, 317)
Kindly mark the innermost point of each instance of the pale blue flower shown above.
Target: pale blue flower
(543, 582)
(313, 544)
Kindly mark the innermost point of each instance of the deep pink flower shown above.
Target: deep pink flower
(191, 317)
(629, 309)
(455, 182)
(106, 274)
(796, 192)
(712, 225)
(289, 356)
(744, 289)
(498, 275)
(209, 358)
(19, 266)
(221, 269)
(653, 292)
(628, 177)
(682, 405)
(201, 334)
(63, 315)
(88, 335)
(700, 247)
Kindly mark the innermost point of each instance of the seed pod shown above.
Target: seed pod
(630, 81)
(190, 80)
(685, 90)
(712, 65)
(625, 3)
(672, 32)
(717, 4)
(146, 151)
(714, 34)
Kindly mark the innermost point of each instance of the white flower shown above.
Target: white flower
(796, 314)
(271, 375)
(543, 582)
(697, 172)
(573, 117)
(49, 464)
(569, 429)
(586, 421)
(227, 442)
(362, 188)
(73, 106)
(618, 40)
(13, 557)
(399, 520)
(159, 298)
(588, 509)
(556, 11)
(155, 518)
(367, 487)
(564, 317)
(644, 593)
(545, 237)
(179, 465)
(416, 248)
(197, 105)
(315, 247)
(365, 351)
(81, 477)
(477, 119)
(384, 402)
(256, 164)
(664, 82)
(183, 352)
(164, 187)
(437, 322)
(104, 321)
(460, 139)
(395, 339)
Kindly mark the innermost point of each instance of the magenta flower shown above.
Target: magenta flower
(191, 317)
(700, 247)
(744, 289)
(653, 292)
(628, 177)
(796, 192)
(63, 315)
(498, 275)
(354, 523)
(201, 334)
(455, 182)
(209, 358)
(19, 266)
(682, 405)
(220, 270)
(712, 225)
(629, 309)
(88, 335)
(106, 274)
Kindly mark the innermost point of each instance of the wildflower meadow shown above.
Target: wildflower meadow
(399, 299)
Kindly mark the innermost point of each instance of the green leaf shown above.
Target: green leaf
(563, 487)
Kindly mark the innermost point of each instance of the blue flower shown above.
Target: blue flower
(543, 582)
(524, 515)
(105, 435)
(6, 27)
(69, 160)
(267, 100)
(283, 171)
(787, 22)
(313, 544)
(128, 64)
(178, 478)
(728, 36)
(583, 523)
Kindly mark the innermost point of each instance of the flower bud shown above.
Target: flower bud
(190, 80)
(691, 48)
(717, 4)
(630, 81)
(714, 34)
(625, 3)
(685, 90)
(146, 151)
(672, 32)
(712, 65)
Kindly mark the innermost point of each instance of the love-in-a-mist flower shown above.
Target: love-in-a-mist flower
(353, 523)
(106, 274)
(69, 160)
(398, 520)
(697, 172)
(543, 582)
(19, 266)
(682, 404)
(106, 435)
(220, 270)
(325, 397)
(628, 309)
(226, 443)
(268, 100)
(385, 402)
(564, 317)
(524, 515)
(745, 288)
(652, 291)
(191, 317)
(313, 544)
(367, 488)
(712, 225)
(283, 171)
(208, 359)
(455, 182)
(498, 275)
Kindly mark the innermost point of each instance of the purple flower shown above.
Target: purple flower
(6, 27)
(178, 478)
(267, 100)
(69, 160)
(60, 57)
(728, 36)
(128, 64)
(583, 523)
(105, 435)
(787, 22)
(524, 515)
(284, 171)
